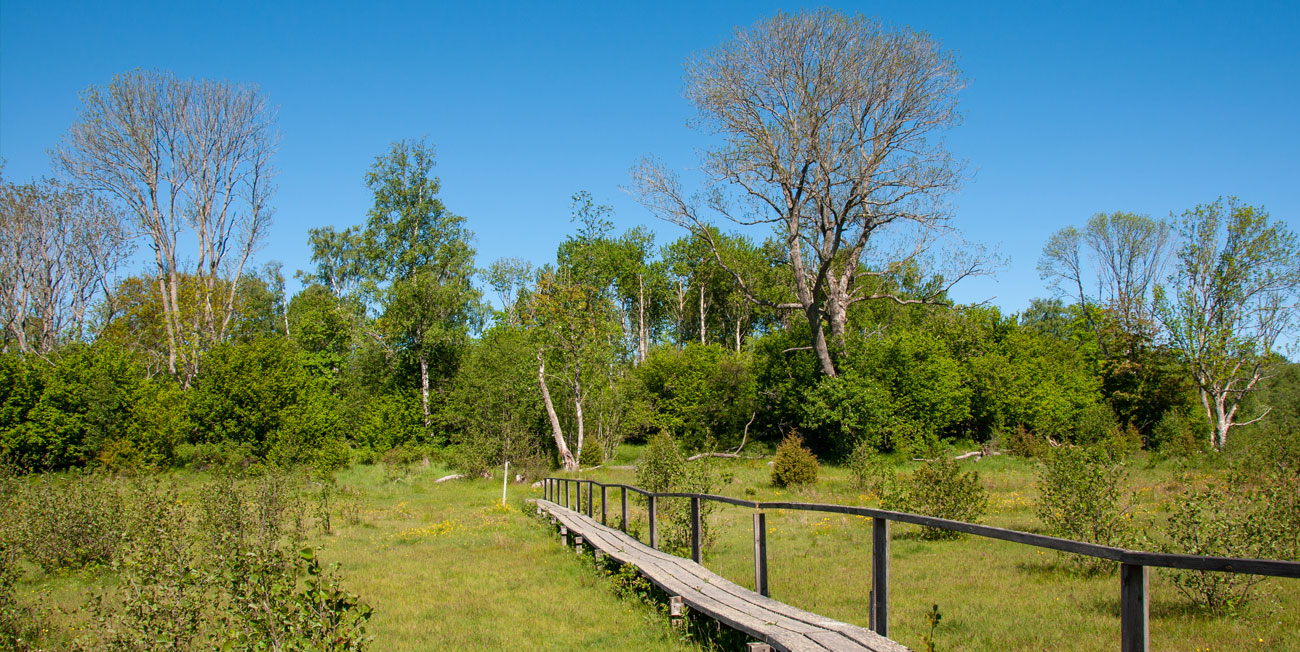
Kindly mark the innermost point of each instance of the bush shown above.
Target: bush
(1023, 443)
(1080, 499)
(1222, 521)
(662, 468)
(661, 465)
(867, 467)
(937, 488)
(70, 523)
(794, 464)
(1174, 435)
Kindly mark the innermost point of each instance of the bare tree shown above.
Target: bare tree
(59, 249)
(182, 155)
(1234, 295)
(1126, 253)
(828, 130)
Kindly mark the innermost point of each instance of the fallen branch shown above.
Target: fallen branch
(978, 455)
(698, 456)
(454, 476)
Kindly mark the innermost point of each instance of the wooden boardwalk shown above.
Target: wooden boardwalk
(777, 624)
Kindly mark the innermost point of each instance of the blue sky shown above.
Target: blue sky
(1072, 109)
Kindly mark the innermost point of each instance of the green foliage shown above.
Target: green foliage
(867, 468)
(938, 488)
(700, 393)
(1081, 497)
(932, 618)
(661, 465)
(1229, 521)
(260, 394)
(73, 522)
(794, 464)
(53, 416)
(495, 406)
(662, 468)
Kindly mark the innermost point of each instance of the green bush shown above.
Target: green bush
(937, 488)
(867, 467)
(1080, 498)
(1023, 443)
(794, 463)
(1223, 521)
(661, 465)
(663, 469)
(70, 523)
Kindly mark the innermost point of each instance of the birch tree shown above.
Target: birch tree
(183, 156)
(827, 129)
(1231, 301)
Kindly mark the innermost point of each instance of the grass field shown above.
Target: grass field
(446, 566)
(994, 596)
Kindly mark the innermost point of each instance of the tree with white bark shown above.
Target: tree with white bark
(418, 264)
(183, 156)
(828, 131)
(1229, 304)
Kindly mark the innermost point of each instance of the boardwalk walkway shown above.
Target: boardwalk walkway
(777, 624)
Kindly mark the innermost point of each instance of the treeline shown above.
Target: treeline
(837, 327)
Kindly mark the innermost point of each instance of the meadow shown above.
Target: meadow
(448, 566)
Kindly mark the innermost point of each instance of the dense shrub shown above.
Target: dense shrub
(71, 522)
(699, 393)
(1227, 521)
(937, 488)
(1081, 498)
(794, 463)
(661, 465)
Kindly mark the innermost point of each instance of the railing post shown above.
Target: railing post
(1134, 607)
(696, 535)
(602, 504)
(760, 553)
(624, 522)
(880, 576)
(590, 485)
(654, 531)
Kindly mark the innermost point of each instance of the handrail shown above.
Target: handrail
(1133, 563)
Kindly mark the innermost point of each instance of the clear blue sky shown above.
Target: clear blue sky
(1071, 109)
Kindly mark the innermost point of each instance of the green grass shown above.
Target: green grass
(995, 596)
(447, 567)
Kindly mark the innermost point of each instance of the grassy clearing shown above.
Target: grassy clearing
(995, 596)
(445, 566)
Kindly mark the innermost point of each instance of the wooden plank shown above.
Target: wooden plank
(783, 626)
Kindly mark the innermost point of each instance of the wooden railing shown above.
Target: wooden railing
(1134, 564)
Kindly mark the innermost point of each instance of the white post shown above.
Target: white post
(505, 477)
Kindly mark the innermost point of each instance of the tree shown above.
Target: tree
(59, 248)
(1127, 253)
(828, 129)
(418, 262)
(509, 277)
(178, 154)
(575, 326)
(1232, 297)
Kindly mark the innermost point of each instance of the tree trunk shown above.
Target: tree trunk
(577, 406)
(424, 388)
(824, 361)
(703, 340)
(738, 335)
(643, 339)
(566, 458)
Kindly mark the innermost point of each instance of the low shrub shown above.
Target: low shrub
(662, 468)
(1080, 498)
(938, 488)
(73, 522)
(867, 467)
(1024, 443)
(1222, 521)
(794, 464)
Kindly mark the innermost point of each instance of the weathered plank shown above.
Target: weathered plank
(782, 626)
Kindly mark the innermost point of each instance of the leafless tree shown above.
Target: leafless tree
(59, 249)
(1126, 253)
(188, 157)
(828, 128)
